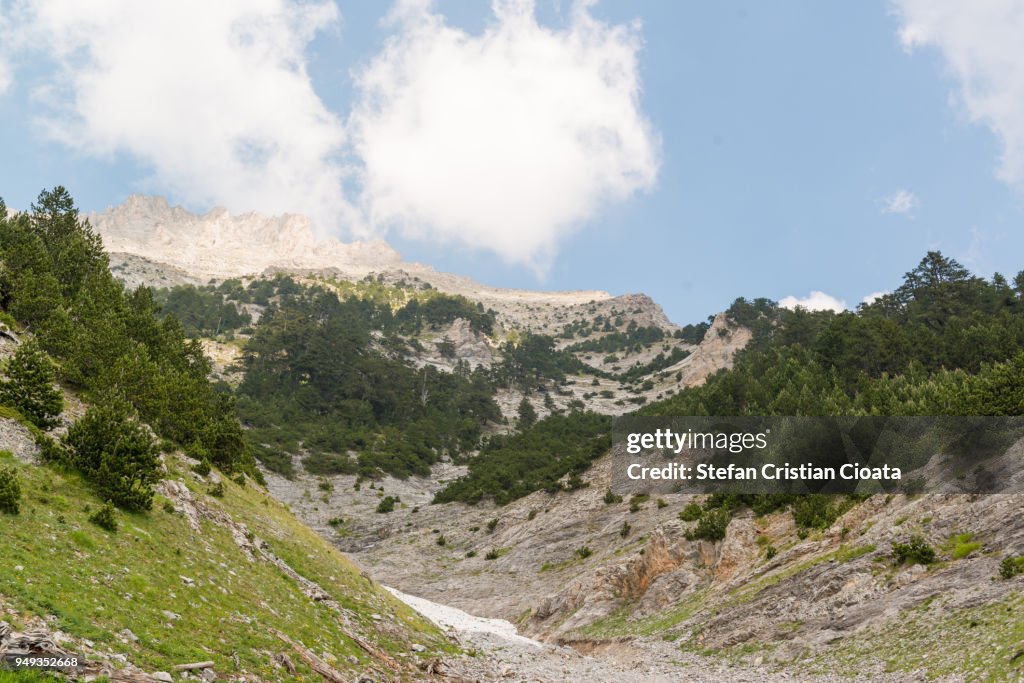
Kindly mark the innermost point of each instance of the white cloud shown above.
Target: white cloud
(900, 201)
(6, 77)
(213, 96)
(507, 140)
(981, 44)
(815, 301)
(874, 296)
(6, 39)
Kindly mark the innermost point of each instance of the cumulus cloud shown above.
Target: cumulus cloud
(980, 42)
(507, 140)
(214, 97)
(815, 301)
(874, 296)
(901, 201)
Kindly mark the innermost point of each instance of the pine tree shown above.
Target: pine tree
(29, 386)
(116, 454)
(527, 415)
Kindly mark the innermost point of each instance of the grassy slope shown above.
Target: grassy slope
(96, 583)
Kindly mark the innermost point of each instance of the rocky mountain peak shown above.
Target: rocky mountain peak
(220, 244)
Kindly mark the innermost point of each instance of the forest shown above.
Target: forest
(111, 346)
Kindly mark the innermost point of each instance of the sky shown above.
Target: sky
(697, 152)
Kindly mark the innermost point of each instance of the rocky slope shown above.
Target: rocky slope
(620, 581)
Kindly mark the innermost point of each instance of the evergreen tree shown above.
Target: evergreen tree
(29, 386)
(527, 414)
(116, 454)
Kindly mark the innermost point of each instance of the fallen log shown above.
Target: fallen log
(312, 661)
(193, 666)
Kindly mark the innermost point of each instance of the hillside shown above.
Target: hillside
(235, 580)
(452, 439)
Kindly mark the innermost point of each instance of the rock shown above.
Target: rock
(18, 568)
(416, 647)
(171, 615)
(161, 676)
(187, 581)
(208, 675)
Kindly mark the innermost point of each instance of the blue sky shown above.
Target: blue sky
(790, 146)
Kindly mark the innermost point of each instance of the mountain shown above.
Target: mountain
(452, 439)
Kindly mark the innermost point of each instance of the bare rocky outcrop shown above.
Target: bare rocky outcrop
(715, 352)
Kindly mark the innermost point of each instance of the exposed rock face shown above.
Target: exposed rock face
(219, 245)
(714, 353)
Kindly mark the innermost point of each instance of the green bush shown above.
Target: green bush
(711, 526)
(1011, 567)
(10, 491)
(492, 554)
(217, 490)
(815, 511)
(584, 552)
(441, 541)
(916, 551)
(492, 525)
(611, 498)
(691, 513)
(202, 468)
(105, 517)
(624, 531)
(387, 504)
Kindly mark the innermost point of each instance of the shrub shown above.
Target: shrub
(336, 522)
(815, 511)
(471, 553)
(168, 507)
(387, 504)
(711, 526)
(325, 485)
(217, 490)
(624, 531)
(611, 498)
(584, 552)
(441, 541)
(533, 513)
(202, 468)
(691, 513)
(105, 517)
(492, 525)
(770, 552)
(916, 551)
(10, 491)
(492, 554)
(662, 503)
(1011, 567)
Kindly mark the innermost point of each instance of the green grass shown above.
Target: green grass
(933, 639)
(960, 546)
(97, 583)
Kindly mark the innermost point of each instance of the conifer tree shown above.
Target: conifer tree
(29, 386)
